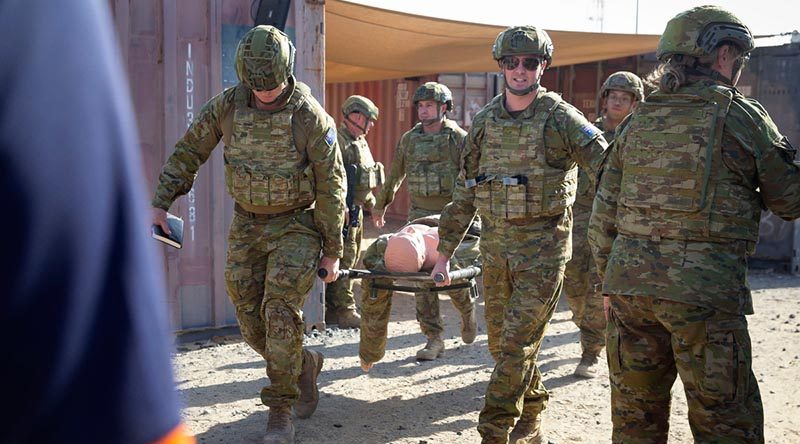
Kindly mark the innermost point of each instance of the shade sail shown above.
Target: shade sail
(367, 43)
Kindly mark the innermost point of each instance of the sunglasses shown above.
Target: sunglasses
(511, 62)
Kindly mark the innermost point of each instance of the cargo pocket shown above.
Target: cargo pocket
(279, 190)
(238, 182)
(238, 281)
(723, 370)
(259, 189)
(515, 202)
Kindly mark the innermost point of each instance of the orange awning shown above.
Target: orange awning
(367, 43)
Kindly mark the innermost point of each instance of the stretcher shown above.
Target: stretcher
(418, 282)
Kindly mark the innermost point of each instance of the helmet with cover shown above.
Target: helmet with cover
(624, 81)
(264, 58)
(436, 92)
(523, 40)
(698, 31)
(360, 104)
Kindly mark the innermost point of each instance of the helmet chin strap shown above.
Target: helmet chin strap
(362, 128)
(523, 91)
(429, 122)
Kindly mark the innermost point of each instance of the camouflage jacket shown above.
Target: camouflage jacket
(569, 139)
(703, 273)
(399, 168)
(314, 134)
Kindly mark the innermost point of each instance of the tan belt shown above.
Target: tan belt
(238, 209)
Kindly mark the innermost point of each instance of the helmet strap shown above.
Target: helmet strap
(355, 124)
(524, 91)
(439, 117)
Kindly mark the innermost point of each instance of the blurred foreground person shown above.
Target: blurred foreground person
(86, 354)
(675, 217)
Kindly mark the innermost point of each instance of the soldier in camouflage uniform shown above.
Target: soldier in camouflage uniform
(376, 304)
(520, 174)
(619, 95)
(675, 217)
(285, 173)
(429, 155)
(360, 114)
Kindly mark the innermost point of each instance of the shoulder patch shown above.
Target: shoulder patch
(330, 136)
(590, 130)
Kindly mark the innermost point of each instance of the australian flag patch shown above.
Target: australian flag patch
(330, 136)
(590, 130)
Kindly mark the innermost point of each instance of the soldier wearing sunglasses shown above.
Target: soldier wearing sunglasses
(520, 173)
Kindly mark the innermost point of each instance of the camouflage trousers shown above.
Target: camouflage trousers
(582, 286)
(269, 271)
(651, 341)
(339, 294)
(376, 304)
(521, 297)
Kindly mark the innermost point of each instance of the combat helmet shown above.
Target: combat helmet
(523, 40)
(360, 104)
(624, 81)
(698, 31)
(436, 92)
(264, 58)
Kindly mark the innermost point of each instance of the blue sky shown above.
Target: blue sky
(619, 16)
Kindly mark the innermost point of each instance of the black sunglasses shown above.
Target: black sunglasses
(511, 62)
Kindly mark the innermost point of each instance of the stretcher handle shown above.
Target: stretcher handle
(344, 273)
(464, 273)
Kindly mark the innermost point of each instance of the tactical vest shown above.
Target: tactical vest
(432, 163)
(514, 179)
(262, 165)
(675, 184)
(369, 174)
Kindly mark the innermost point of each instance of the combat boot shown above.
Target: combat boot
(348, 318)
(433, 349)
(587, 368)
(469, 326)
(527, 430)
(309, 393)
(279, 426)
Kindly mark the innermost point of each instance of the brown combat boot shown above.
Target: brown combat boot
(527, 430)
(309, 393)
(469, 326)
(348, 318)
(279, 426)
(587, 368)
(433, 349)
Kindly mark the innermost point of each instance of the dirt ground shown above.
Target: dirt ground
(405, 401)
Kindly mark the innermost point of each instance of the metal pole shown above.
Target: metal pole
(637, 16)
